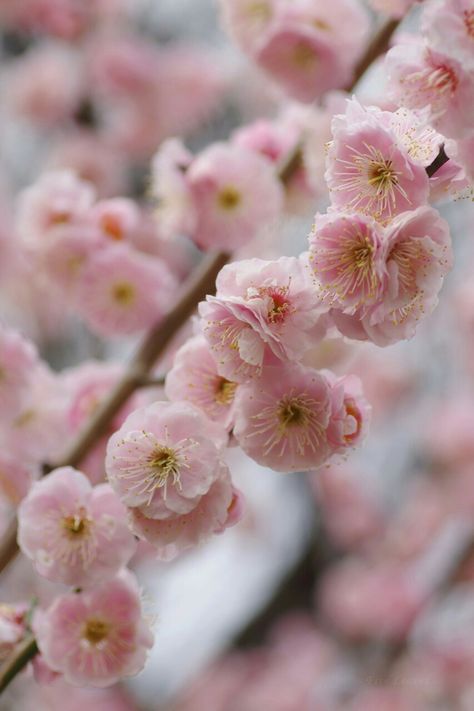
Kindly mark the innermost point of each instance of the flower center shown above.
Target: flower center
(123, 293)
(304, 56)
(382, 176)
(164, 462)
(95, 631)
(61, 217)
(259, 11)
(292, 411)
(111, 226)
(77, 525)
(225, 391)
(229, 198)
(469, 22)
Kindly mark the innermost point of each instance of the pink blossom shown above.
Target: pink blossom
(12, 627)
(216, 510)
(347, 257)
(56, 199)
(417, 255)
(236, 193)
(164, 458)
(66, 254)
(368, 170)
(91, 157)
(175, 211)
(194, 378)
(364, 601)
(116, 219)
(449, 28)
(18, 359)
(282, 418)
(350, 514)
(122, 292)
(44, 86)
(37, 433)
(263, 311)
(73, 533)
(310, 48)
(97, 636)
(351, 412)
(248, 20)
(16, 477)
(420, 76)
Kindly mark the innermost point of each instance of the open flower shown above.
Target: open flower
(282, 418)
(263, 311)
(164, 458)
(122, 292)
(422, 77)
(347, 260)
(236, 192)
(369, 170)
(18, 358)
(417, 255)
(97, 636)
(194, 377)
(220, 507)
(73, 533)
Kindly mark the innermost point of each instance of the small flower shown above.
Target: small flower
(235, 192)
(194, 377)
(220, 507)
(97, 636)
(347, 260)
(263, 311)
(74, 533)
(122, 292)
(164, 458)
(18, 359)
(421, 77)
(368, 170)
(282, 418)
(56, 199)
(351, 412)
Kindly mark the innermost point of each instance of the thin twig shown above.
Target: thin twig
(22, 654)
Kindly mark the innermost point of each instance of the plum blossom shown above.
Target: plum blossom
(282, 418)
(74, 533)
(422, 77)
(97, 636)
(369, 170)
(310, 48)
(416, 255)
(351, 412)
(194, 377)
(164, 458)
(247, 20)
(263, 311)
(18, 359)
(347, 257)
(175, 211)
(220, 507)
(12, 627)
(449, 27)
(56, 199)
(235, 192)
(122, 292)
(115, 219)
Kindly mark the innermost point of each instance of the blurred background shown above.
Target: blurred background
(351, 587)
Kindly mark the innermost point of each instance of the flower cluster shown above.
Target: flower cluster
(306, 48)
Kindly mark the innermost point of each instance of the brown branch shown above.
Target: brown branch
(22, 654)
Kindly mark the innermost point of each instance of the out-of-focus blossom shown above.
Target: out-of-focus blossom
(122, 292)
(18, 359)
(421, 77)
(236, 193)
(97, 636)
(12, 627)
(449, 27)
